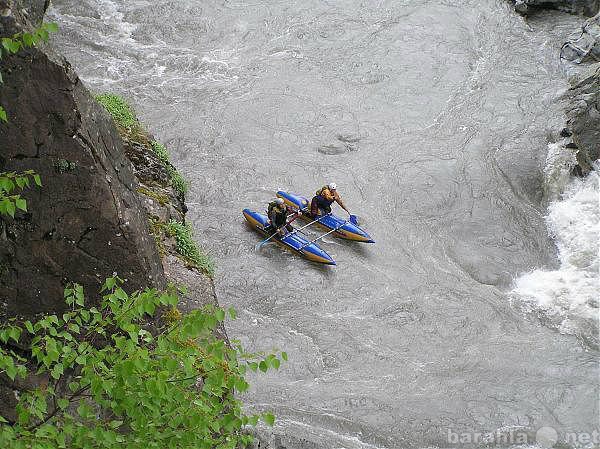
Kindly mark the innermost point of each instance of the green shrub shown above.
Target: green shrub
(177, 181)
(161, 151)
(112, 381)
(187, 247)
(119, 109)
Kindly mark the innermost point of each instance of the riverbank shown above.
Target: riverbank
(110, 201)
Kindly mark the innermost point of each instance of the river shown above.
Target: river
(434, 118)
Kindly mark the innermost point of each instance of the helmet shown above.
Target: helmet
(279, 201)
(332, 185)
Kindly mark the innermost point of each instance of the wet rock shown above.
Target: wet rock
(583, 117)
(585, 7)
(586, 45)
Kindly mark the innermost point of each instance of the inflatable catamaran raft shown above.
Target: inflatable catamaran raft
(297, 241)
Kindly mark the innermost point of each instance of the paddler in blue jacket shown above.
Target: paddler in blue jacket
(278, 215)
(324, 198)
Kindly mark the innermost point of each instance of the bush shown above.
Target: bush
(187, 247)
(119, 109)
(177, 181)
(114, 381)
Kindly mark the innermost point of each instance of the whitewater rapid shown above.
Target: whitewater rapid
(568, 297)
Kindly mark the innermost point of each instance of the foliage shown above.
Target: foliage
(114, 381)
(124, 116)
(11, 45)
(177, 181)
(119, 109)
(187, 247)
(10, 186)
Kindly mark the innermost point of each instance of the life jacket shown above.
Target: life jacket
(326, 194)
(278, 214)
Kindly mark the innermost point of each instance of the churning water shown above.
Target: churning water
(434, 118)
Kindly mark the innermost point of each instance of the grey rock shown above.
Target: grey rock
(586, 45)
(583, 117)
(584, 7)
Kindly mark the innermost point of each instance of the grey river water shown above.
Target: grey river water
(433, 117)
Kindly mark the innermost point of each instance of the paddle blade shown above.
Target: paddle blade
(354, 220)
(259, 246)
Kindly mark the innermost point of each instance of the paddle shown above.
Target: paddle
(260, 245)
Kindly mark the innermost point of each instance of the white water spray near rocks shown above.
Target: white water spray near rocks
(568, 296)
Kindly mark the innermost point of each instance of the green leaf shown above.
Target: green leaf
(21, 204)
(14, 333)
(37, 180)
(109, 284)
(3, 115)
(29, 327)
(275, 363)
(263, 366)
(28, 39)
(57, 371)
(284, 356)
(52, 27)
(11, 45)
(62, 403)
(11, 369)
(269, 419)
(10, 208)
(232, 313)
(220, 314)
(115, 424)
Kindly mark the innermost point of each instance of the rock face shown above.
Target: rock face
(585, 46)
(583, 117)
(585, 7)
(101, 189)
(87, 221)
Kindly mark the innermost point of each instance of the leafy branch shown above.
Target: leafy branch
(11, 184)
(114, 380)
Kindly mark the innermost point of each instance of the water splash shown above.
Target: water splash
(568, 296)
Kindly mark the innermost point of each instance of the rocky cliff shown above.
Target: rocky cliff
(107, 201)
(583, 118)
(100, 188)
(581, 102)
(87, 220)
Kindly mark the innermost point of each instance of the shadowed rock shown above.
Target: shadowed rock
(585, 7)
(583, 117)
(87, 220)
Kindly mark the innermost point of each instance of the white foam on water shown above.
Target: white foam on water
(557, 171)
(112, 17)
(569, 295)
